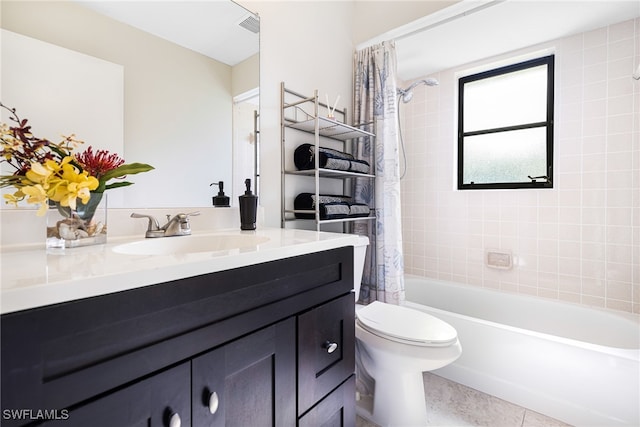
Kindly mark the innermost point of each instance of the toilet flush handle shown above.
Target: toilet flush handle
(330, 346)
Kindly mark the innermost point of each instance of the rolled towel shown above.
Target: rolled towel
(304, 154)
(330, 206)
(359, 210)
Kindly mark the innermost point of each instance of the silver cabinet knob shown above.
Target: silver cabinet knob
(175, 420)
(214, 401)
(330, 346)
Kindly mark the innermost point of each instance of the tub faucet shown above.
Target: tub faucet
(179, 225)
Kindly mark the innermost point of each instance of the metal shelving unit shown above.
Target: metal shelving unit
(304, 114)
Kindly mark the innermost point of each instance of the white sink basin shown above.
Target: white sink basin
(190, 244)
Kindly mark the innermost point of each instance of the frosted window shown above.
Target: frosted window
(505, 128)
(505, 157)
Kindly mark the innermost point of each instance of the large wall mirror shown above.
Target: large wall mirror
(189, 74)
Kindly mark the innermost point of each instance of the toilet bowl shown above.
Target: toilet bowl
(394, 346)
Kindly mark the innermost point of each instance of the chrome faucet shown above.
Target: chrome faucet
(179, 225)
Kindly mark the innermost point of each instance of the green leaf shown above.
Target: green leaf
(117, 184)
(127, 169)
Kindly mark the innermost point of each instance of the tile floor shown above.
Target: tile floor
(452, 404)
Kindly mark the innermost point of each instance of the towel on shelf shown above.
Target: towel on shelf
(304, 159)
(359, 210)
(330, 206)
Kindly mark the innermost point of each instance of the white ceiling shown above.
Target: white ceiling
(465, 32)
(210, 27)
(472, 30)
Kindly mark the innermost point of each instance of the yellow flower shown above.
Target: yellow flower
(13, 199)
(39, 173)
(73, 185)
(57, 189)
(36, 195)
(61, 182)
(68, 171)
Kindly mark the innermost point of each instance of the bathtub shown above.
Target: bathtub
(570, 362)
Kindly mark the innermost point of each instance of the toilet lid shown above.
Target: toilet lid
(406, 325)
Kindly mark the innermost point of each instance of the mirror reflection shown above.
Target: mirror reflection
(190, 77)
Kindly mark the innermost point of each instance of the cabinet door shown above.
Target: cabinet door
(248, 382)
(326, 349)
(335, 410)
(159, 401)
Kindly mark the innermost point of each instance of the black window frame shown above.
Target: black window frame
(536, 182)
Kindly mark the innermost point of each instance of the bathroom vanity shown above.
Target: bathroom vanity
(257, 336)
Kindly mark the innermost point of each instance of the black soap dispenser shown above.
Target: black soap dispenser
(248, 208)
(221, 200)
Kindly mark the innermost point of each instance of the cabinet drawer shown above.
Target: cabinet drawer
(326, 347)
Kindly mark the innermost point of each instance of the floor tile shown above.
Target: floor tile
(453, 405)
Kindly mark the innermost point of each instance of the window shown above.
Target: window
(505, 127)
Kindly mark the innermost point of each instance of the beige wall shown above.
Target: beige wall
(373, 18)
(245, 76)
(578, 242)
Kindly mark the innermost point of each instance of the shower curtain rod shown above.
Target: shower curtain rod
(450, 19)
(389, 36)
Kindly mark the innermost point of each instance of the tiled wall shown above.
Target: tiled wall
(579, 241)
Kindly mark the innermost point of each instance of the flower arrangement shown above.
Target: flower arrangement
(46, 173)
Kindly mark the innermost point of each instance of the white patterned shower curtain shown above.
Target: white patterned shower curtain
(375, 102)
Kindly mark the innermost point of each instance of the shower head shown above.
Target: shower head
(407, 93)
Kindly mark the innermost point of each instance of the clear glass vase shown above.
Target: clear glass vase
(84, 226)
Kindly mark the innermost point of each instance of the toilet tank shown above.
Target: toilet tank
(359, 252)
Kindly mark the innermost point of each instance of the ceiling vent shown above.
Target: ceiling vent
(250, 23)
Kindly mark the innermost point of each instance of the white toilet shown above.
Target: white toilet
(394, 346)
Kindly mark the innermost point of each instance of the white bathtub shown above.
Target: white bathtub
(570, 362)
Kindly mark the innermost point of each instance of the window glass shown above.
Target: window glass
(505, 156)
(506, 100)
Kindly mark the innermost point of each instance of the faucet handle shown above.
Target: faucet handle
(183, 216)
(153, 223)
(180, 225)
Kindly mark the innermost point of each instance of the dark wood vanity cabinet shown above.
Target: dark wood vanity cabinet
(264, 345)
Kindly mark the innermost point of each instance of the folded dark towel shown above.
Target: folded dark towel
(303, 158)
(330, 206)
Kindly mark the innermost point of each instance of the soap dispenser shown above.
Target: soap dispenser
(221, 200)
(248, 208)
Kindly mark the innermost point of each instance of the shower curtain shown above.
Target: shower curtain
(375, 104)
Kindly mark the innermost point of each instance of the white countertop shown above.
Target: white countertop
(34, 277)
